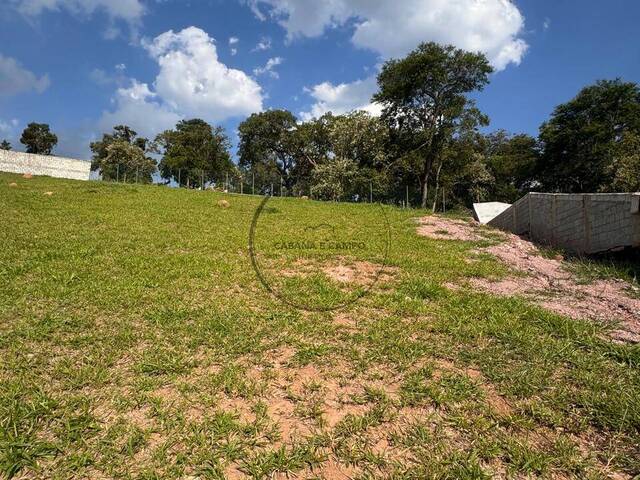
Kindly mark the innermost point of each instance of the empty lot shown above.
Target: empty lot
(136, 341)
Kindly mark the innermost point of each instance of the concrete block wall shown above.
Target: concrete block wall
(514, 219)
(580, 223)
(20, 162)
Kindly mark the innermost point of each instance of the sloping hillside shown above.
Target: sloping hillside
(138, 341)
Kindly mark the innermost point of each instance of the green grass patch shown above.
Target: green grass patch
(136, 341)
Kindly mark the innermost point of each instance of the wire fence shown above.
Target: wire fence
(402, 195)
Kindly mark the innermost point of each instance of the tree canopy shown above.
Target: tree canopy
(5, 145)
(38, 139)
(625, 168)
(424, 100)
(426, 148)
(194, 153)
(269, 139)
(512, 161)
(582, 136)
(122, 155)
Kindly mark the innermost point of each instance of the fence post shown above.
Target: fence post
(407, 196)
(137, 174)
(179, 172)
(253, 183)
(117, 173)
(370, 191)
(281, 186)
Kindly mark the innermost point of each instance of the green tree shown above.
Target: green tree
(476, 178)
(111, 171)
(625, 168)
(512, 161)
(463, 137)
(581, 138)
(194, 153)
(331, 179)
(310, 146)
(364, 140)
(270, 140)
(126, 162)
(359, 137)
(38, 138)
(5, 145)
(354, 143)
(424, 99)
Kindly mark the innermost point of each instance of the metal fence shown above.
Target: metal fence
(402, 195)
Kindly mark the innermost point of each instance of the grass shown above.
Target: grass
(623, 265)
(136, 342)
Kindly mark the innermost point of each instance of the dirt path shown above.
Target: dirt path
(547, 283)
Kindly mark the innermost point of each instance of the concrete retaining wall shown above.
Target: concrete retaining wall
(580, 223)
(19, 162)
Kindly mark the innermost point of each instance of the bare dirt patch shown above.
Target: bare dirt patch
(447, 229)
(344, 271)
(344, 319)
(360, 273)
(547, 282)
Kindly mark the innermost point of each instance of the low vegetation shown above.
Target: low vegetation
(137, 342)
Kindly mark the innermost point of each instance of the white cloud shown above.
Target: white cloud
(9, 131)
(342, 98)
(141, 109)
(233, 41)
(99, 76)
(269, 67)
(302, 17)
(192, 82)
(14, 78)
(393, 28)
(8, 127)
(111, 33)
(128, 10)
(263, 44)
(546, 24)
(103, 78)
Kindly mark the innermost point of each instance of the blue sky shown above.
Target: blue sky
(85, 65)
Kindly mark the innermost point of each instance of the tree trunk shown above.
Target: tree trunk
(424, 184)
(435, 197)
(424, 190)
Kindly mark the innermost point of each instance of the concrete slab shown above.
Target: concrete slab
(484, 212)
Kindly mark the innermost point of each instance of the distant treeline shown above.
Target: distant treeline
(426, 148)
